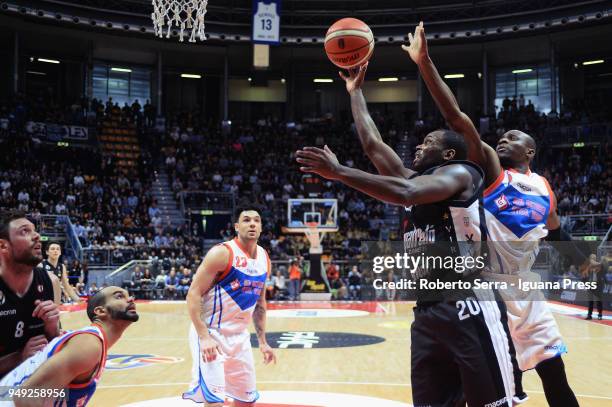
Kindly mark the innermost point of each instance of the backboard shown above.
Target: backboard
(323, 212)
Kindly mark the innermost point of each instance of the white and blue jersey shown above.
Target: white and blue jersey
(228, 306)
(76, 395)
(227, 310)
(517, 207)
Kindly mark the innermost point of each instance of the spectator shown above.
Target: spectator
(172, 283)
(592, 272)
(354, 280)
(146, 284)
(160, 285)
(93, 288)
(185, 282)
(295, 274)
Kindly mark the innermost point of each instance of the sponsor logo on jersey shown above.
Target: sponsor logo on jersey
(40, 288)
(466, 221)
(501, 202)
(8, 312)
(235, 284)
(523, 187)
(2, 298)
(124, 362)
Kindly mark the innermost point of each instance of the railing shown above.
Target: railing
(206, 200)
(585, 225)
(124, 272)
(605, 248)
(590, 132)
(105, 258)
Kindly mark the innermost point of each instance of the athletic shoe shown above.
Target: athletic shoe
(520, 398)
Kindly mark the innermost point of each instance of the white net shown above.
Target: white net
(185, 16)
(314, 236)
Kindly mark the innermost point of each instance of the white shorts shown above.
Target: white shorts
(533, 328)
(231, 374)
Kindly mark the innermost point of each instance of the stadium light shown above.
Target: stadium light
(388, 79)
(49, 61)
(191, 76)
(283, 80)
(454, 76)
(597, 61)
(323, 80)
(36, 73)
(121, 70)
(522, 70)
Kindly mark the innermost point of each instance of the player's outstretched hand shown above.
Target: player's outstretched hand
(33, 345)
(268, 353)
(319, 161)
(209, 348)
(49, 312)
(355, 78)
(418, 45)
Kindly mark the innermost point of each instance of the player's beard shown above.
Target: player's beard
(27, 258)
(124, 315)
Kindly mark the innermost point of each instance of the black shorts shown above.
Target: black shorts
(461, 353)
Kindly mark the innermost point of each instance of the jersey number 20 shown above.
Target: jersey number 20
(467, 305)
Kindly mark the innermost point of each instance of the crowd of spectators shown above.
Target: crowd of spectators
(114, 209)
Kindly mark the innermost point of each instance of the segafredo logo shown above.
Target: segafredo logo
(124, 362)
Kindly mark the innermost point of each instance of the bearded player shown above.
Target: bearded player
(228, 291)
(67, 370)
(520, 210)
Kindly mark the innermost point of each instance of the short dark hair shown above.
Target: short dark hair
(454, 141)
(6, 217)
(52, 243)
(244, 208)
(96, 300)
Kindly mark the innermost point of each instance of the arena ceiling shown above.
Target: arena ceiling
(308, 19)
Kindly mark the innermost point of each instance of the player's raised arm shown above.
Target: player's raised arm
(478, 151)
(77, 361)
(386, 161)
(215, 263)
(442, 184)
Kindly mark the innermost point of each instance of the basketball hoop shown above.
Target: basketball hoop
(314, 235)
(187, 15)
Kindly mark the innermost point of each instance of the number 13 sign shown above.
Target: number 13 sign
(266, 21)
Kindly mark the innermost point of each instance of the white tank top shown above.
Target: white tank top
(228, 306)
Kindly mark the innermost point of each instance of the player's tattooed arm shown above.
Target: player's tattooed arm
(444, 183)
(386, 161)
(259, 320)
(478, 151)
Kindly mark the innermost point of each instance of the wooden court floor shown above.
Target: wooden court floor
(380, 370)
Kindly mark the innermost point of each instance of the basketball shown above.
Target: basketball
(349, 42)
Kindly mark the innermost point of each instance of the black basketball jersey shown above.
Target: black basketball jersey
(16, 322)
(445, 230)
(57, 270)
